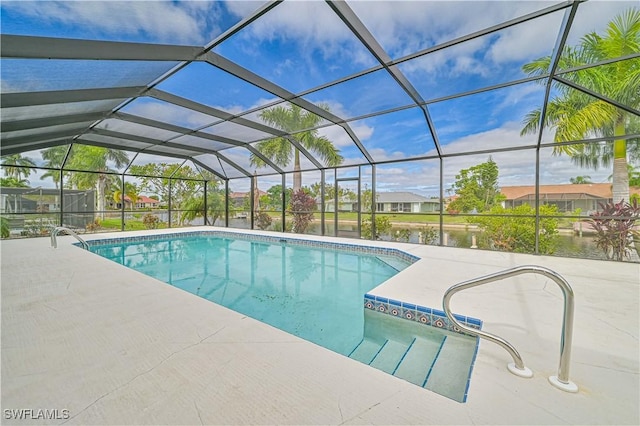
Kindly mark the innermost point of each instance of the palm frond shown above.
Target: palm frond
(531, 122)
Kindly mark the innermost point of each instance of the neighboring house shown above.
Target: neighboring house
(567, 197)
(405, 202)
(142, 202)
(390, 202)
(345, 204)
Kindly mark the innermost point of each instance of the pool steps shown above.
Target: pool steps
(436, 360)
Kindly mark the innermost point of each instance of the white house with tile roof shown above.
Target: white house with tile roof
(567, 197)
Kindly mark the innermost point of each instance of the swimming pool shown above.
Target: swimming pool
(310, 289)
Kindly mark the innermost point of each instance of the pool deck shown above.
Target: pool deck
(113, 346)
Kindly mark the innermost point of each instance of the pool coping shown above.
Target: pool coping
(257, 374)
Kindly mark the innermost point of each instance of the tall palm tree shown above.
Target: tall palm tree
(95, 160)
(291, 119)
(54, 157)
(16, 166)
(576, 116)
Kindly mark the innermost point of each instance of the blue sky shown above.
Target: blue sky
(300, 45)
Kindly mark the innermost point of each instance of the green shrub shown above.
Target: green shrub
(5, 230)
(403, 235)
(516, 231)
(614, 228)
(262, 220)
(428, 235)
(383, 226)
(150, 221)
(302, 206)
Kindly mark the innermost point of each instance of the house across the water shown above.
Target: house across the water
(567, 198)
(389, 202)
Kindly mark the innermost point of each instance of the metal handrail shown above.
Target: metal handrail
(58, 229)
(560, 381)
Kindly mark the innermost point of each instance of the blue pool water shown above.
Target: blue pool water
(311, 292)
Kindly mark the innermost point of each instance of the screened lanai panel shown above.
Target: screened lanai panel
(246, 159)
(71, 129)
(228, 129)
(404, 27)
(34, 178)
(421, 177)
(212, 162)
(220, 166)
(127, 127)
(58, 109)
(97, 159)
(578, 124)
(30, 75)
(595, 17)
(297, 36)
(487, 120)
(198, 142)
(113, 142)
(174, 151)
(513, 168)
(395, 136)
(283, 153)
(484, 61)
(342, 142)
(144, 164)
(190, 23)
(188, 170)
(370, 93)
(216, 88)
(614, 81)
(560, 168)
(165, 112)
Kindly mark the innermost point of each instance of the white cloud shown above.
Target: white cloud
(527, 41)
(403, 27)
(314, 27)
(169, 22)
(594, 15)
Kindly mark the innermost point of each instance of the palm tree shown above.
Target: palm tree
(16, 166)
(291, 119)
(577, 116)
(54, 157)
(12, 182)
(95, 160)
(130, 191)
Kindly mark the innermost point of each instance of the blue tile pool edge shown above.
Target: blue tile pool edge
(429, 317)
(409, 258)
(424, 315)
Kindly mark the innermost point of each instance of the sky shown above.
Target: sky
(301, 45)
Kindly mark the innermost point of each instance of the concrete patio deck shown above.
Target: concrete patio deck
(102, 344)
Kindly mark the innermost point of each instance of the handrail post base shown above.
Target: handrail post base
(567, 387)
(520, 372)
